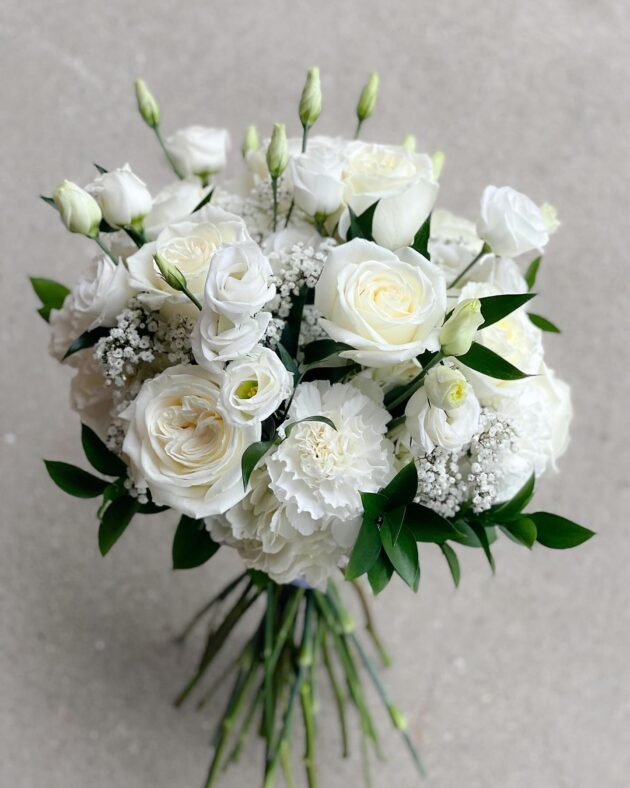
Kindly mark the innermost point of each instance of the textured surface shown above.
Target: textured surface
(510, 682)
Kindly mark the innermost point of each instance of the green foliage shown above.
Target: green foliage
(75, 481)
(403, 554)
(361, 226)
(289, 362)
(291, 332)
(322, 349)
(558, 532)
(521, 530)
(87, 339)
(495, 308)
(453, 562)
(484, 360)
(50, 293)
(421, 239)
(403, 488)
(192, 544)
(380, 573)
(427, 525)
(543, 324)
(532, 272)
(252, 455)
(116, 517)
(99, 456)
(204, 202)
(367, 548)
(510, 510)
(290, 427)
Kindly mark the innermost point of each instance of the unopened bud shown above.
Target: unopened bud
(367, 99)
(458, 333)
(170, 273)
(278, 151)
(311, 100)
(438, 159)
(445, 387)
(409, 143)
(79, 211)
(251, 141)
(147, 105)
(397, 717)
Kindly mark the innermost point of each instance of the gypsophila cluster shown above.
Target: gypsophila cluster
(299, 267)
(487, 454)
(440, 483)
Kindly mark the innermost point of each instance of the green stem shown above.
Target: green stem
(369, 624)
(223, 593)
(268, 708)
(484, 250)
(247, 722)
(274, 191)
(308, 714)
(415, 384)
(358, 129)
(192, 297)
(340, 698)
(105, 249)
(287, 624)
(292, 206)
(170, 159)
(285, 757)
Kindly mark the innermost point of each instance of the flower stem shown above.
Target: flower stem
(358, 129)
(105, 249)
(274, 191)
(415, 384)
(192, 297)
(484, 250)
(369, 625)
(268, 706)
(225, 592)
(170, 159)
(340, 698)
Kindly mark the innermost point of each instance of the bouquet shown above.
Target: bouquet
(314, 366)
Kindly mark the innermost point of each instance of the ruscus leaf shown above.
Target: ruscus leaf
(532, 272)
(192, 544)
(366, 549)
(380, 574)
(558, 532)
(403, 488)
(453, 562)
(87, 339)
(50, 293)
(496, 307)
(114, 522)
(543, 324)
(99, 456)
(484, 360)
(75, 481)
(251, 457)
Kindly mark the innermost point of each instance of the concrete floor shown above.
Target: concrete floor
(515, 681)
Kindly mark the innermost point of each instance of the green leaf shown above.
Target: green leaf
(252, 455)
(101, 170)
(532, 272)
(366, 549)
(380, 574)
(114, 490)
(421, 239)
(291, 331)
(152, 508)
(374, 504)
(99, 456)
(558, 532)
(453, 562)
(403, 554)
(427, 525)
(496, 307)
(50, 293)
(75, 481)
(48, 201)
(522, 530)
(484, 360)
(321, 349)
(205, 201)
(87, 339)
(289, 362)
(192, 544)
(394, 521)
(480, 533)
(114, 522)
(467, 537)
(403, 488)
(361, 226)
(511, 509)
(290, 427)
(543, 324)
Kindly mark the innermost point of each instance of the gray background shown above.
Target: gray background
(512, 681)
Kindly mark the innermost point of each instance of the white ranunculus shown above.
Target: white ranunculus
(386, 305)
(181, 447)
(95, 300)
(238, 281)
(540, 416)
(510, 223)
(450, 428)
(90, 397)
(173, 204)
(215, 339)
(320, 470)
(190, 246)
(254, 386)
(123, 198)
(318, 187)
(198, 150)
(403, 182)
(454, 242)
(515, 338)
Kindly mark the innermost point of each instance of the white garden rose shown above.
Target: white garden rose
(443, 413)
(510, 223)
(403, 183)
(198, 150)
(123, 198)
(386, 305)
(90, 396)
(254, 386)
(318, 187)
(238, 283)
(173, 204)
(180, 446)
(540, 416)
(454, 242)
(320, 470)
(216, 339)
(95, 300)
(190, 246)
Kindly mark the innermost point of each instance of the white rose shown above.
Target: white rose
(403, 182)
(215, 339)
(198, 150)
(254, 386)
(318, 187)
(90, 397)
(238, 281)
(386, 305)
(454, 242)
(123, 198)
(181, 447)
(190, 246)
(430, 424)
(510, 223)
(173, 204)
(95, 300)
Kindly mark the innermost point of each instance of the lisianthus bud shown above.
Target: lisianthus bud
(445, 387)
(367, 99)
(409, 143)
(147, 105)
(278, 151)
(457, 334)
(171, 273)
(251, 141)
(438, 159)
(79, 211)
(311, 100)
